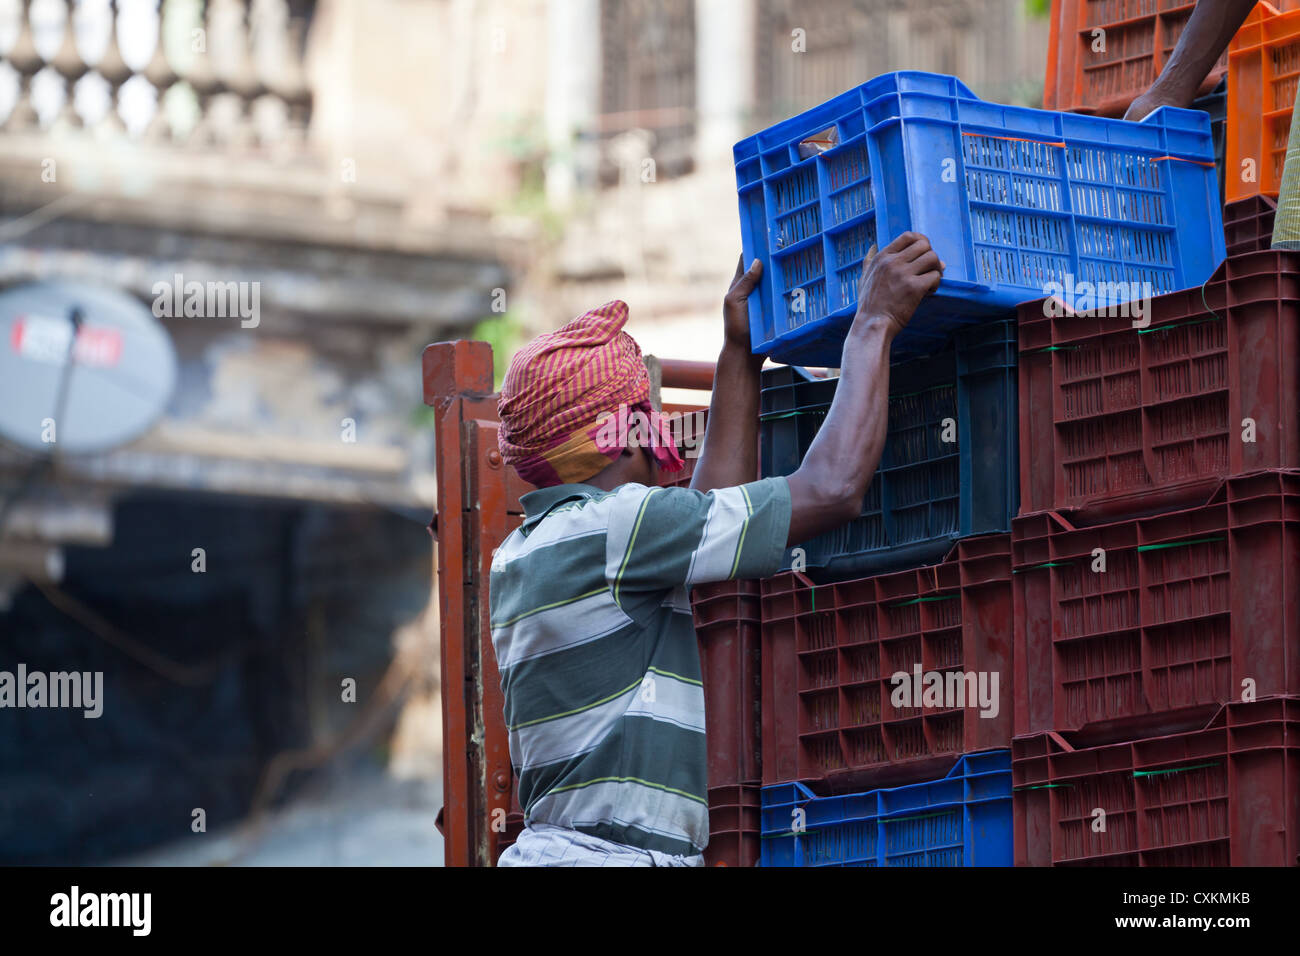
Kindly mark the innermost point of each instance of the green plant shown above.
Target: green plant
(422, 417)
(505, 333)
(523, 140)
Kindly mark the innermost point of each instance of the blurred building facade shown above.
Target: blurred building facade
(621, 130)
(273, 145)
(387, 173)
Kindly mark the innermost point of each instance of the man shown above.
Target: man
(1209, 30)
(590, 606)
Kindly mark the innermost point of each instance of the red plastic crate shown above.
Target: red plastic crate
(829, 652)
(1139, 37)
(1117, 421)
(734, 826)
(727, 626)
(694, 419)
(1224, 795)
(1263, 69)
(1248, 225)
(1190, 605)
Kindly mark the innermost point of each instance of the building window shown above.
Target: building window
(647, 83)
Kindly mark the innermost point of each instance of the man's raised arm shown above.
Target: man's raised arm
(827, 489)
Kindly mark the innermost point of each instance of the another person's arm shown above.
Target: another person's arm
(1208, 32)
(827, 489)
(729, 455)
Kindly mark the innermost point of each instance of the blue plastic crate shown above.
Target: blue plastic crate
(1011, 198)
(964, 819)
(926, 493)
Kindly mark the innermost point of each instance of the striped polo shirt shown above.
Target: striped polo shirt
(592, 628)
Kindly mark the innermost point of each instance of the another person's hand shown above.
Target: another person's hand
(735, 305)
(895, 280)
(1152, 100)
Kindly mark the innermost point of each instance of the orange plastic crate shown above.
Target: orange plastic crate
(1263, 66)
(1140, 36)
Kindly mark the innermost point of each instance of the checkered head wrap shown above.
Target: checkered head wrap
(574, 398)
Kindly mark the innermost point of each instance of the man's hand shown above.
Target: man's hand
(735, 306)
(730, 453)
(895, 280)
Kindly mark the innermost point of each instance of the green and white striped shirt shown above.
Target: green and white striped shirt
(592, 628)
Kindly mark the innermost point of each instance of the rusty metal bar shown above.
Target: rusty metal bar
(457, 375)
(680, 373)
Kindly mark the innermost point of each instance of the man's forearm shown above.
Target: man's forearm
(842, 459)
(1208, 32)
(729, 455)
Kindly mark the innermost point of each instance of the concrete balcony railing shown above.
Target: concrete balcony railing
(221, 74)
(173, 113)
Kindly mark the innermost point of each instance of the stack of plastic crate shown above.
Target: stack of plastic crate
(847, 667)
(1142, 420)
(727, 626)
(1157, 584)
(1157, 645)
(884, 728)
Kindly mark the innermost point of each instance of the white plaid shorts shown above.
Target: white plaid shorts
(544, 845)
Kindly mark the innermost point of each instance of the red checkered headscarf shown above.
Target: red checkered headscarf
(573, 399)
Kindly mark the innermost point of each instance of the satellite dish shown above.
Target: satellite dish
(90, 359)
